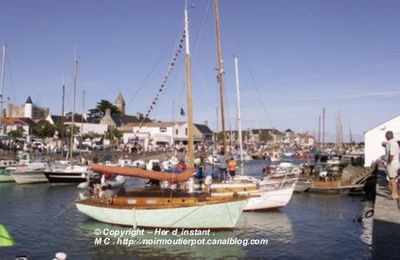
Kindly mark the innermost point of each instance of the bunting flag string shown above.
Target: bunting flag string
(171, 67)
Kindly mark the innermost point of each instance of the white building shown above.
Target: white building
(375, 137)
(164, 133)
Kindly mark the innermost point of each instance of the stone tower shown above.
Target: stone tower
(28, 108)
(120, 103)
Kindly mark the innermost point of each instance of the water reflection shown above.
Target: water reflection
(88, 228)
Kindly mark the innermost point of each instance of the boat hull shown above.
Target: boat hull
(302, 186)
(29, 177)
(64, 177)
(208, 216)
(260, 199)
(5, 176)
(271, 199)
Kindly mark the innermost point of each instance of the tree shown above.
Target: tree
(15, 133)
(100, 110)
(264, 137)
(44, 129)
(91, 135)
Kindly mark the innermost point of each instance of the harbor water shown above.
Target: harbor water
(43, 220)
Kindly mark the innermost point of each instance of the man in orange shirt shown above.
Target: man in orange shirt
(232, 167)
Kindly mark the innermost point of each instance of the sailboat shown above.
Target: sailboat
(66, 171)
(263, 195)
(165, 208)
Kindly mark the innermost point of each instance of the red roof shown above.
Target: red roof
(13, 121)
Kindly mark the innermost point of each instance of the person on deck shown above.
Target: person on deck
(393, 163)
(181, 166)
(222, 166)
(155, 183)
(232, 167)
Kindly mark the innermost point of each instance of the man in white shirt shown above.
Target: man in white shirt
(392, 153)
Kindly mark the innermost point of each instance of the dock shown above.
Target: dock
(386, 225)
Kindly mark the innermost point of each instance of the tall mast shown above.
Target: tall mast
(63, 100)
(75, 74)
(3, 70)
(350, 135)
(319, 132)
(323, 128)
(220, 73)
(189, 93)
(83, 108)
(239, 113)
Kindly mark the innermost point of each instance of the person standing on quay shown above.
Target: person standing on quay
(393, 165)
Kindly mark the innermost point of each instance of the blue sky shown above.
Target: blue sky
(294, 56)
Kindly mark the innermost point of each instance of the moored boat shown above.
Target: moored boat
(26, 175)
(68, 174)
(159, 209)
(5, 176)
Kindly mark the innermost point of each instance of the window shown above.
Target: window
(186, 131)
(176, 132)
(163, 129)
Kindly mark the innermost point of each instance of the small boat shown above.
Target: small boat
(303, 185)
(31, 173)
(4, 173)
(5, 176)
(263, 195)
(67, 174)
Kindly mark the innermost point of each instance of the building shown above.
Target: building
(120, 103)
(121, 120)
(375, 138)
(169, 133)
(16, 124)
(27, 110)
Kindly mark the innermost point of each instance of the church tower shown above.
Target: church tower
(120, 103)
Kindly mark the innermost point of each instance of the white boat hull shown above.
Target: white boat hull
(29, 177)
(213, 216)
(261, 199)
(271, 199)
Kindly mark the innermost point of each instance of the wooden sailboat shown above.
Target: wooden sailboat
(68, 173)
(165, 208)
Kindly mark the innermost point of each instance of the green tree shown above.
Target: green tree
(16, 133)
(100, 109)
(91, 135)
(264, 137)
(44, 129)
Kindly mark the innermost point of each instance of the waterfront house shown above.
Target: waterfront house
(375, 137)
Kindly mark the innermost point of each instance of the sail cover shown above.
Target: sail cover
(143, 173)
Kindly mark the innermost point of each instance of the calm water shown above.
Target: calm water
(43, 220)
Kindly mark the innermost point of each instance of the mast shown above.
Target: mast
(3, 70)
(220, 73)
(189, 93)
(75, 74)
(239, 113)
(323, 128)
(63, 100)
(350, 135)
(83, 108)
(319, 132)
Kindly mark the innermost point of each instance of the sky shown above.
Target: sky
(295, 57)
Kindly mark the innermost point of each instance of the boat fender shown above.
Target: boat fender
(164, 184)
(208, 180)
(190, 185)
